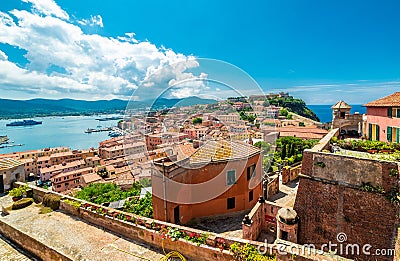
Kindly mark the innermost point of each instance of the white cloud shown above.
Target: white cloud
(3, 56)
(96, 20)
(91, 64)
(48, 7)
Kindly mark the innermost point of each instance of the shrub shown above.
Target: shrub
(22, 203)
(248, 252)
(16, 192)
(19, 192)
(73, 203)
(52, 201)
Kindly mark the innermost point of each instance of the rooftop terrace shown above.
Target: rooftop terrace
(74, 237)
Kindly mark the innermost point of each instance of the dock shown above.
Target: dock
(98, 130)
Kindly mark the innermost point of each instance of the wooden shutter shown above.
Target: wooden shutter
(389, 112)
(370, 131)
(377, 132)
(389, 134)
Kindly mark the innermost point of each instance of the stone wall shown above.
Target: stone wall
(331, 200)
(290, 173)
(273, 185)
(326, 210)
(398, 245)
(349, 170)
(263, 217)
(30, 244)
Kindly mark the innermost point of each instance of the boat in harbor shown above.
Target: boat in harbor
(24, 123)
(110, 118)
(114, 134)
(98, 130)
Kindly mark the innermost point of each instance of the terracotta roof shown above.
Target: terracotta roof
(341, 105)
(308, 129)
(302, 132)
(223, 150)
(387, 101)
(9, 163)
(308, 136)
(89, 178)
(184, 150)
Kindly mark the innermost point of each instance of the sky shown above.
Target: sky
(320, 51)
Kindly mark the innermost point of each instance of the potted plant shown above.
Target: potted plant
(16, 193)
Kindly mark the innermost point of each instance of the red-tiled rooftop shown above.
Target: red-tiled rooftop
(302, 132)
(391, 100)
(341, 105)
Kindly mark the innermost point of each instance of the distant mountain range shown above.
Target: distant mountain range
(10, 109)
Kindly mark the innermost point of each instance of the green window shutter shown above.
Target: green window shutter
(377, 132)
(370, 131)
(231, 177)
(398, 112)
(389, 134)
(397, 135)
(389, 112)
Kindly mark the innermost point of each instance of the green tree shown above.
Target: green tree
(283, 112)
(197, 120)
(251, 118)
(243, 116)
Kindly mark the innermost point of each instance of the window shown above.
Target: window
(389, 112)
(231, 203)
(389, 134)
(251, 196)
(231, 177)
(373, 131)
(251, 171)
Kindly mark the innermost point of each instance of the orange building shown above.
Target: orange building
(220, 177)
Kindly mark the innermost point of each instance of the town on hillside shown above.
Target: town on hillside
(217, 181)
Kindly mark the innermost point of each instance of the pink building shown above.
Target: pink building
(383, 119)
(49, 172)
(69, 180)
(191, 133)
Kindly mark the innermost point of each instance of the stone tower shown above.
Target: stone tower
(287, 223)
(340, 110)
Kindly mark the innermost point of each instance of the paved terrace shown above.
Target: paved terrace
(9, 251)
(72, 237)
(287, 194)
(227, 226)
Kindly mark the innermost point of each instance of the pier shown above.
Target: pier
(99, 130)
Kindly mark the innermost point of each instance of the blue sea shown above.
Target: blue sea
(324, 112)
(66, 131)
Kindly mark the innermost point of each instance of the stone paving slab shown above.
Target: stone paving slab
(10, 252)
(76, 238)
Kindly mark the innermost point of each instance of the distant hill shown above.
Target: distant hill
(294, 105)
(10, 109)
